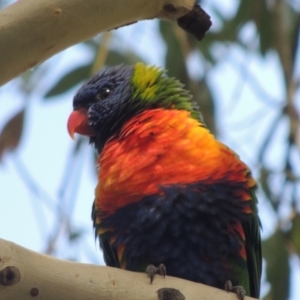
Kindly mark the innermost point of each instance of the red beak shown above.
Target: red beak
(78, 123)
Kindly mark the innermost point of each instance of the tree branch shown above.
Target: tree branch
(32, 31)
(25, 274)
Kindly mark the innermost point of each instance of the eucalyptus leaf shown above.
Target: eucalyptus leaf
(294, 234)
(69, 80)
(11, 133)
(278, 267)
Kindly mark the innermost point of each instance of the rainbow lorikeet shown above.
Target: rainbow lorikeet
(169, 194)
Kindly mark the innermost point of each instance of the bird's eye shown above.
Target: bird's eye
(104, 93)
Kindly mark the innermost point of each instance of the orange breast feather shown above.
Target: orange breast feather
(161, 147)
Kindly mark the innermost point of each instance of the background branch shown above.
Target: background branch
(24, 274)
(32, 31)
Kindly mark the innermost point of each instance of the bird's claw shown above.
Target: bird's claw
(151, 270)
(238, 289)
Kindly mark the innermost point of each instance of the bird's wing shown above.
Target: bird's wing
(110, 254)
(253, 248)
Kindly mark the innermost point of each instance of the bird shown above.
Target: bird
(170, 197)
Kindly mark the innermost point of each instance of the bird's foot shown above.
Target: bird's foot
(238, 289)
(151, 270)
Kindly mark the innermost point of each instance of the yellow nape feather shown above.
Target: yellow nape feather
(144, 78)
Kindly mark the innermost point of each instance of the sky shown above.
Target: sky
(28, 209)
